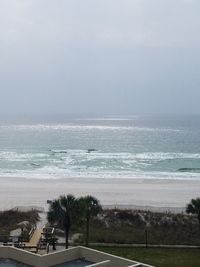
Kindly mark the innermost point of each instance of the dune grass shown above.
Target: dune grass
(159, 257)
(9, 219)
(131, 226)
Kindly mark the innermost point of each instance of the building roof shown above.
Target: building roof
(88, 256)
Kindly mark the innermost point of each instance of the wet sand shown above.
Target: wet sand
(157, 193)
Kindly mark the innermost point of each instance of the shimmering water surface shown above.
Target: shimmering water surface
(120, 146)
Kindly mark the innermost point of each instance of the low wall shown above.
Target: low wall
(38, 260)
(20, 255)
(101, 259)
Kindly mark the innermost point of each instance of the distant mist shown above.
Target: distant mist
(99, 57)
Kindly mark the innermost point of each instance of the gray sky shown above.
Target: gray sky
(101, 56)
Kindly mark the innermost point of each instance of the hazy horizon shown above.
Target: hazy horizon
(21, 118)
(99, 57)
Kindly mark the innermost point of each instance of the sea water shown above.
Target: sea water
(104, 147)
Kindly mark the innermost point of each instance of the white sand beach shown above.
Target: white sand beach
(158, 193)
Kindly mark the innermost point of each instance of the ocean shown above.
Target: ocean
(145, 147)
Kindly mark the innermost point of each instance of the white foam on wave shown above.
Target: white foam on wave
(69, 156)
(165, 156)
(98, 164)
(132, 156)
(15, 156)
(57, 173)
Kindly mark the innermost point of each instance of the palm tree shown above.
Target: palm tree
(62, 211)
(91, 207)
(194, 208)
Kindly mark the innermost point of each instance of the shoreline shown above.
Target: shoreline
(153, 193)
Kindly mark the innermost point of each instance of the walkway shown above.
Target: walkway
(34, 239)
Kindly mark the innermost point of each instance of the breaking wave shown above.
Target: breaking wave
(57, 163)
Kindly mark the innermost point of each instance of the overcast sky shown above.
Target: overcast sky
(100, 56)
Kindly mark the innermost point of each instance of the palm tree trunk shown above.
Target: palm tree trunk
(87, 231)
(198, 216)
(87, 227)
(67, 225)
(66, 237)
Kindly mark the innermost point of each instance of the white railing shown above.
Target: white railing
(100, 264)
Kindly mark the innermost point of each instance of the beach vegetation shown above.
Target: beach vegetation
(15, 218)
(144, 227)
(85, 218)
(91, 207)
(194, 208)
(70, 213)
(62, 212)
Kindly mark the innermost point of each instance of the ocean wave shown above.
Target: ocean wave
(197, 170)
(56, 163)
(166, 156)
(16, 156)
(69, 154)
(134, 156)
(57, 173)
